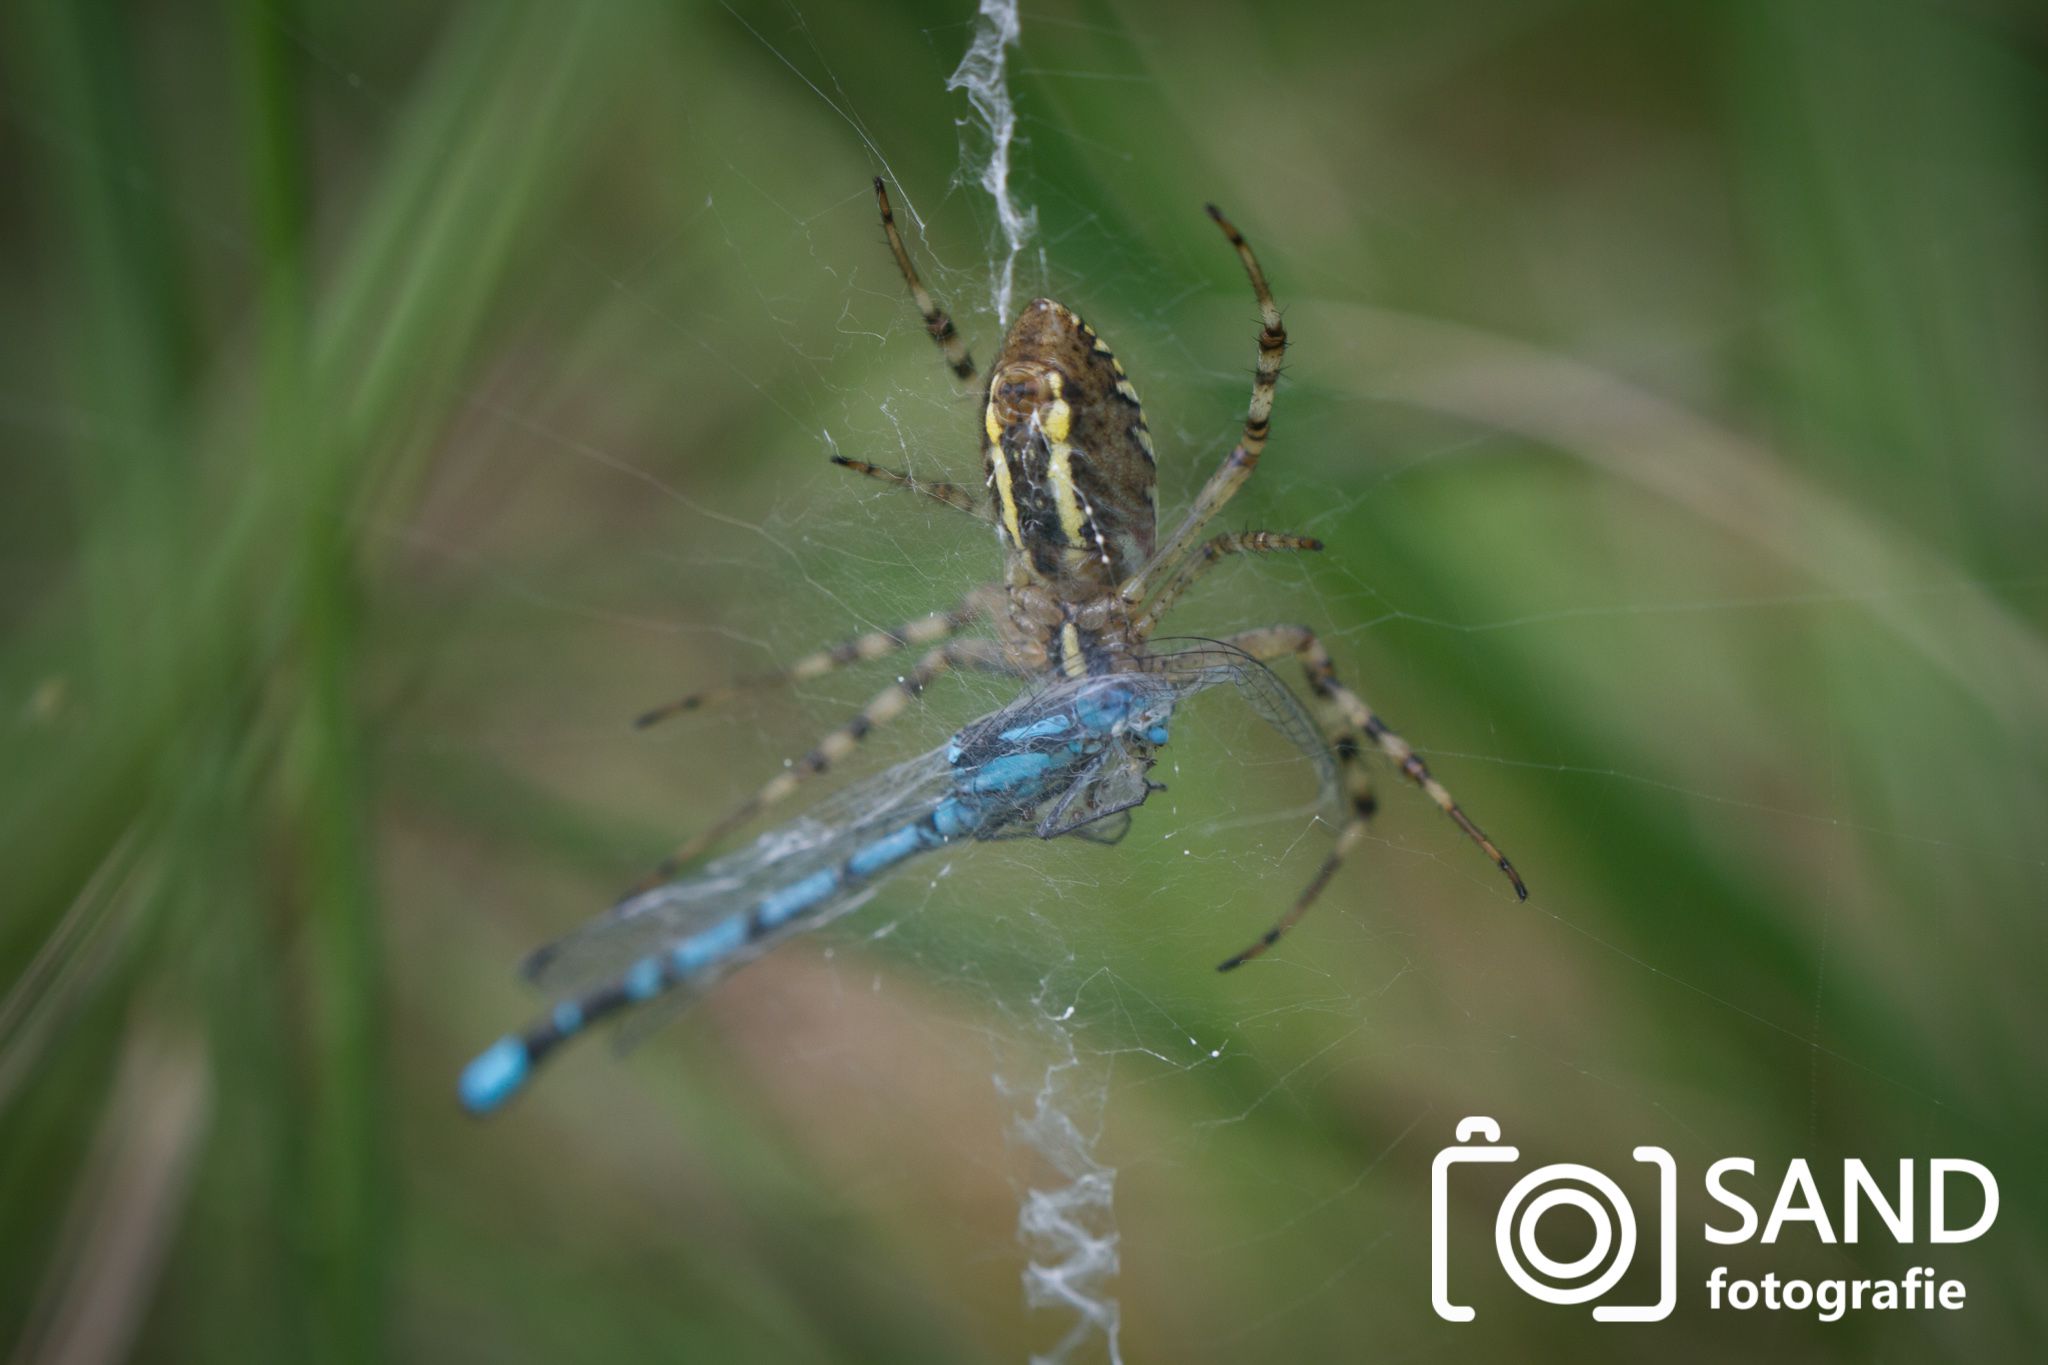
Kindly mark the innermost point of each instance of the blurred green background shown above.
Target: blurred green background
(397, 399)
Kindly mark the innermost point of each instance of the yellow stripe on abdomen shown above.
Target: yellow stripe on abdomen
(1066, 497)
(1006, 494)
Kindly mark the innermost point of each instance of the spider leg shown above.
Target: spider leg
(876, 644)
(1204, 559)
(935, 320)
(889, 703)
(951, 494)
(1244, 456)
(1358, 723)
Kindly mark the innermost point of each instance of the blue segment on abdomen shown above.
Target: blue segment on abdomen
(494, 1076)
(700, 950)
(891, 849)
(955, 817)
(1051, 725)
(643, 979)
(797, 897)
(1008, 772)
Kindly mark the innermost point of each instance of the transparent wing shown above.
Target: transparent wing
(636, 1025)
(1095, 806)
(1070, 758)
(835, 828)
(1194, 665)
(823, 836)
(1118, 784)
(1108, 830)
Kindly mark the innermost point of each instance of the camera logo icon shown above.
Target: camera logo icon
(1565, 1184)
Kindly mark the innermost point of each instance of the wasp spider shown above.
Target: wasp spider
(1070, 485)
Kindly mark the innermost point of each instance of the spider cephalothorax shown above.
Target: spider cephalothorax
(1072, 490)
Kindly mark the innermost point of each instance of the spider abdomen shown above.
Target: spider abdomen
(1068, 455)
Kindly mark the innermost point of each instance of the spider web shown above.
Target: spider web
(1708, 579)
(1078, 978)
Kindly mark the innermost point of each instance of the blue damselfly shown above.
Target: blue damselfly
(1070, 758)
